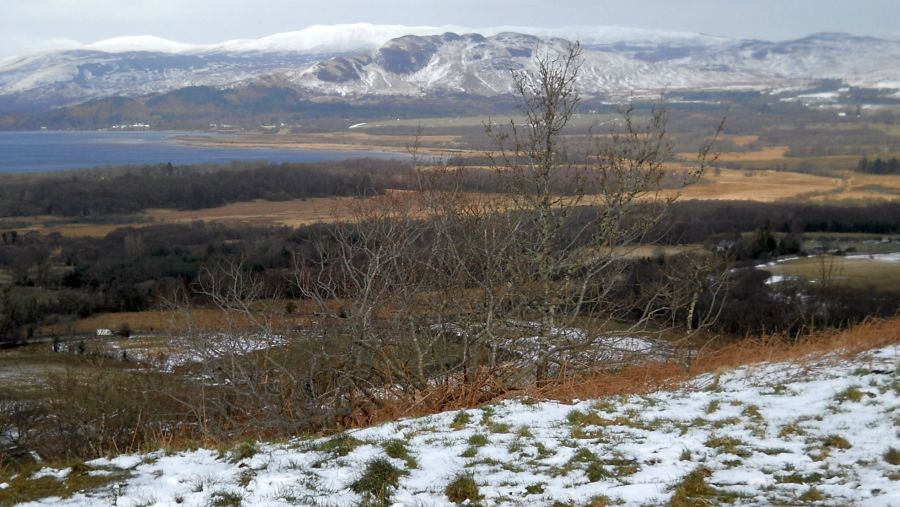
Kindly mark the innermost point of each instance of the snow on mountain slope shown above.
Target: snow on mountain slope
(400, 60)
(860, 61)
(71, 77)
(473, 63)
(822, 432)
(330, 38)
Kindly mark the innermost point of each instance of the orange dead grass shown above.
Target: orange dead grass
(149, 321)
(652, 376)
(838, 344)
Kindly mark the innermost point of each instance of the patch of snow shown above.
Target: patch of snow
(140, 43)
(779, 279)
(58, 474)
(887, 257)
(775, 262)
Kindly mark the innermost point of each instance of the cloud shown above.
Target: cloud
(12, 47)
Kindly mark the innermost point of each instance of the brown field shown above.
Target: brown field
(171, 321)
(740, 140)
(767, 153)
(845, 187)
(761, 186)
(147, 321)
(293, 213)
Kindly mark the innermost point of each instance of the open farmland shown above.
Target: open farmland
(863, 271)
(721, 184)
(760, 186)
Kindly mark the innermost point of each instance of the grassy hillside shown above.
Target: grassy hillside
(816, 425)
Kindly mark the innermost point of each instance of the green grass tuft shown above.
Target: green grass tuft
(579, 418)
(728, 445)
(852, 393)
(836, 442)
(469, 452)
(225, 499)
(378, 481)
(244, 450)
(463, 489)
(339, 445)
(694, 491)
(22, 488)
(479, 440)
(752, 411)
(398, 449)
(524, 432)
(796, 478)
(812, 495)
(892, 456)
(535, 489)
(460, 420)
(499, 428)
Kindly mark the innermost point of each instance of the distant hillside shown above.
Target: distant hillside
(350, 62)
(197, 107)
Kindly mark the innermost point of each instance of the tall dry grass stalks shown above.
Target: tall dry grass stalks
(652, 376)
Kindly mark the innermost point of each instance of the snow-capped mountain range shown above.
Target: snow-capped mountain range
(363, 59)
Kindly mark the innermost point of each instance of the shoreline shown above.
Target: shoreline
(253, 141)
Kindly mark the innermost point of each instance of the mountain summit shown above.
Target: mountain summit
(393, 60)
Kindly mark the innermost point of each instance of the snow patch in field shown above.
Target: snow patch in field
(888, 257)
(779, 279)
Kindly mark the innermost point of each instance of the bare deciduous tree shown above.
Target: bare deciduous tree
(437, 290)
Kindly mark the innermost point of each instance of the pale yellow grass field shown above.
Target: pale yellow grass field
(855, 272)
(740, 140)
(293, 213)
(761, 186)
(767, 153)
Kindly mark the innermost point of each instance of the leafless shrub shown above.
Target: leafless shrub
(437, 295)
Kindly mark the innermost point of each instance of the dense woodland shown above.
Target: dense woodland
(878, 166)
(131, 190)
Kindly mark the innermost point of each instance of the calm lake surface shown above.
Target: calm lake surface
(28, 152)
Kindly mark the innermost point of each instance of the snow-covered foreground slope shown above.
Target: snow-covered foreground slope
(767, 434)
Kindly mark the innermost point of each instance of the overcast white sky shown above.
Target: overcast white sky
(28, 25)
